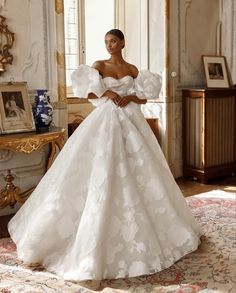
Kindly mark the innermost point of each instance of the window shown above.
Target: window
(99, 18)
(71, 37)
(86, 22)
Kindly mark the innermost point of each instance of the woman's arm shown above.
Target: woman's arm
(131, 98)
(112, 96)
(108, 94)
(92, 96)
(136, 100)
(99, 66)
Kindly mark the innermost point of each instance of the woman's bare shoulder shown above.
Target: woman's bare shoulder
(134, 70)
(99, 65)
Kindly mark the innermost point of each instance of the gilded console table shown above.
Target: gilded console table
(27, 143)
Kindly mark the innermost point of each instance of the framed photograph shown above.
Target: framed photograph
(15, 108)
(216, 72)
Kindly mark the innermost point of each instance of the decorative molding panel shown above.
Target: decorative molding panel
(51, 48)
(35, 69)
(197, 36)
(31, 63)
(228, 39)
(186, 67)
(22, 163)
(30, 47)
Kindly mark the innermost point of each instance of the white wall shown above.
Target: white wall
(198, 24)
(228, 29)
(26, 20)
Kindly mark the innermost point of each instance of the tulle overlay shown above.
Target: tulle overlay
(108, 207)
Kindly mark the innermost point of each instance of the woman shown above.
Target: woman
(12, 109)
(109, 206)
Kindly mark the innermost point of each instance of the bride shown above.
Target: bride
(109, 206)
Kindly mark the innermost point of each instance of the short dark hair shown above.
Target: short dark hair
(116, 32)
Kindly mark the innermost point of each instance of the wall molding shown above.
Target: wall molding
(50, 27)
(32, 61)
(190, 71)
(187, 73)
(36, 166)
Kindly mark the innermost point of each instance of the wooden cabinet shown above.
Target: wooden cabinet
(209, 133)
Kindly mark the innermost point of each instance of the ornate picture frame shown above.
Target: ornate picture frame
(16, 113)
(6, 43)
(216, 71)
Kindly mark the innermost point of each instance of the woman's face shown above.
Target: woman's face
(113, 43)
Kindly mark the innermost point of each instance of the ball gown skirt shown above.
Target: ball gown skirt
(109, 206)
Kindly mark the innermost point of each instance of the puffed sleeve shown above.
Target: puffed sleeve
(147, 85)
(85, 80)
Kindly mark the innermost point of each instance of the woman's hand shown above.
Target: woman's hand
(112, 96)
(124, 101)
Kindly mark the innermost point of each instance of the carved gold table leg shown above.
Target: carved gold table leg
(51, 155)
(10, 194)
(59, 143)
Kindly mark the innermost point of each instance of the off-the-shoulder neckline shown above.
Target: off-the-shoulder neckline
(85, 65)
(117, 78)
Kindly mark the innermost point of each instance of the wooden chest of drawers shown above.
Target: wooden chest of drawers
(209, 133)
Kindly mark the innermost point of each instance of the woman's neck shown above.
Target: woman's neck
(116, 59)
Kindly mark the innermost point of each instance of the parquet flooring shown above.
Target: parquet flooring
(190, 187)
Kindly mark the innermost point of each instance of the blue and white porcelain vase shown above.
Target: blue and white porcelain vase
(43, 112)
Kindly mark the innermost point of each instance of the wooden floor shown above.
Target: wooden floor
(189, 187)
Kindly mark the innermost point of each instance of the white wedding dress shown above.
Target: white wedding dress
(109, 206)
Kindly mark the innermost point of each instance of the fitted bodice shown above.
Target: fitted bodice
(122, 86)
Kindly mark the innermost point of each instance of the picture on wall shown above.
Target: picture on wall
(215, 69)
(15, 108)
